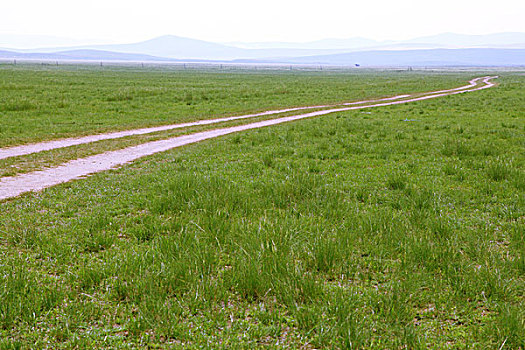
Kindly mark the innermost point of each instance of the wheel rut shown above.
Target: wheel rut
(79, 168)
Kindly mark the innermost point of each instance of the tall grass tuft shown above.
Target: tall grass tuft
(397, 182)
(498, 170)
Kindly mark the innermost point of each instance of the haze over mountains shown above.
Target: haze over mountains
(476, 57)
(501, 49)
(441, 41)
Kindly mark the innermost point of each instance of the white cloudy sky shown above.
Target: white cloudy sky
(269, 20)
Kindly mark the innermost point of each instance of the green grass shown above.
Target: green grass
(351, 230)
(40, 103)
(38, 161)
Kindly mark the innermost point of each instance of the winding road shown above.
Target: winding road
(50, 145)
(75, 169)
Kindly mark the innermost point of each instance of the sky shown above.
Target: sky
(106, 21)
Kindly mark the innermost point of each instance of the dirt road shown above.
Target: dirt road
(49, 145)
(75, 169)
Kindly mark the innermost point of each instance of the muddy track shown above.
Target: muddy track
(75, 169)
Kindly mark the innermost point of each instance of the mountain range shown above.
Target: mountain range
(442, 41)
(448, 49)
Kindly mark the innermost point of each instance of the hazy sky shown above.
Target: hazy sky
(269, 20)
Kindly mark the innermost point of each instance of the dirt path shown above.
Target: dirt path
(50, 145)
(75, 169)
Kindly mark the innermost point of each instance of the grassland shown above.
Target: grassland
(48, 103)
(399, 227)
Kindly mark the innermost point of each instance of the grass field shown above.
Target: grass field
(401, 227)
(47, 103)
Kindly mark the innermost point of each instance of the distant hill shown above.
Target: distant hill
(324, 44)
(418, 58)
(498, 40)
(180, 47)
(83, 55)
(439, 41)
(449, 49)
(170, 46)
(385, 58)
(110, 55)
(176, 47)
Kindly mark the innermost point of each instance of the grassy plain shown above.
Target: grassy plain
(41, 103)
(393, 227)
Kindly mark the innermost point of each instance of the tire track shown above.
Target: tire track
(73, 141)
(79, 168)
